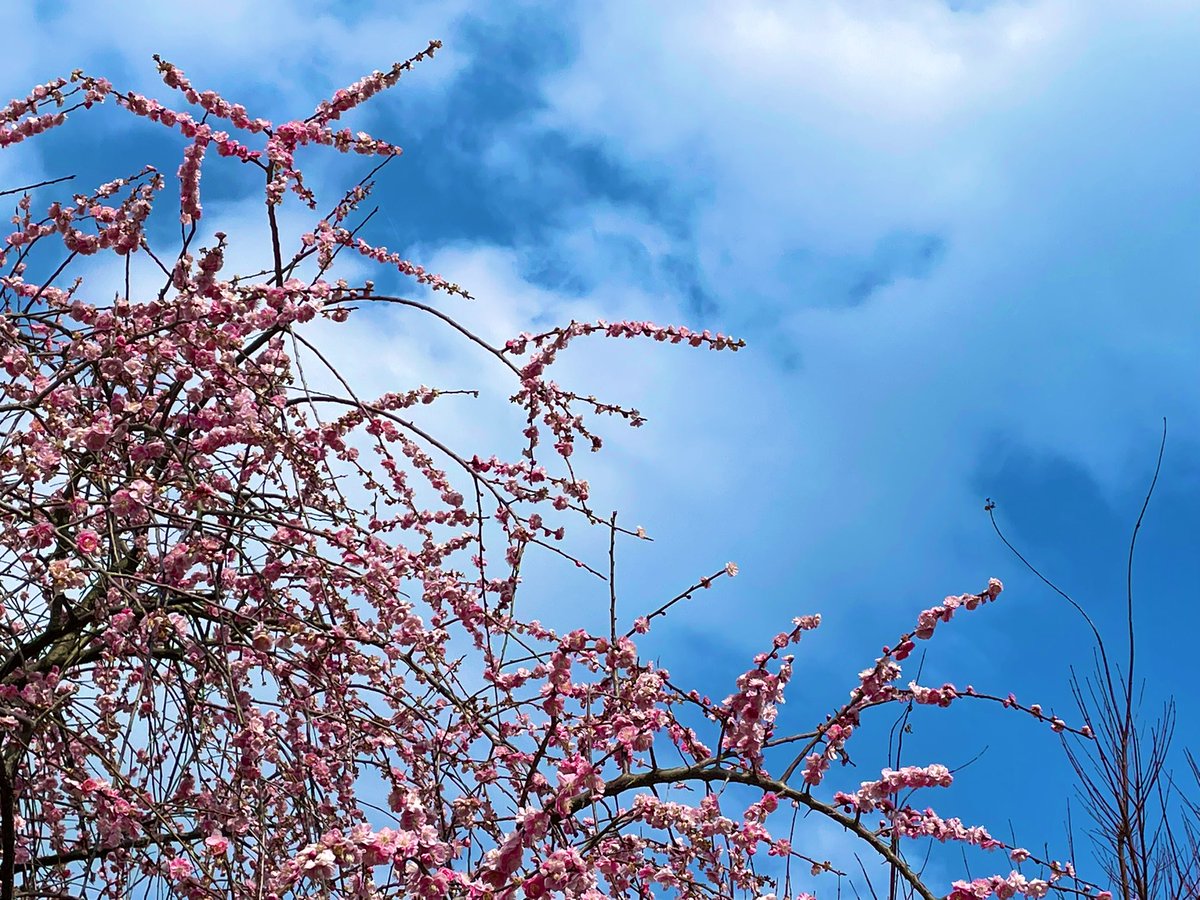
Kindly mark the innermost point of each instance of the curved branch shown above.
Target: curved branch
(708, 775)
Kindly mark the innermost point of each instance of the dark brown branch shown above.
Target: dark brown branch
(8, 832)
(52, 860)
(30, 187)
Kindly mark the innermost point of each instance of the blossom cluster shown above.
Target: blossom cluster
(891, 782)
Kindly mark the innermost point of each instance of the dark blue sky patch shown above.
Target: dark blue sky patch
(899, 255)
(445, 177)
(1058, 517)
(1051, 507)
(849, 280)
(553, 272)
(454, 197)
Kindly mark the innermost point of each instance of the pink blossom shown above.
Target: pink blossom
(40, 535)
(87, 541)
(179, 868)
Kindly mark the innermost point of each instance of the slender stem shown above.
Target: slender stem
(612, 601)
(8, 834)
(30, 187)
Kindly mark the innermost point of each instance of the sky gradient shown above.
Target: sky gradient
(960, 239)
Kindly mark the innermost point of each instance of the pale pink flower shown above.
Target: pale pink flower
(179, 868)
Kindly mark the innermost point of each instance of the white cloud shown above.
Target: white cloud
(287, 46)
(804, 113)
(1018, 135)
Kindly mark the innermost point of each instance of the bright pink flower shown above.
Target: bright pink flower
(87, 542)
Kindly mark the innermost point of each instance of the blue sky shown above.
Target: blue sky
(960, 239)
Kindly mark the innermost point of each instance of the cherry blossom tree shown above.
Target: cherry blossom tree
(263, 640)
